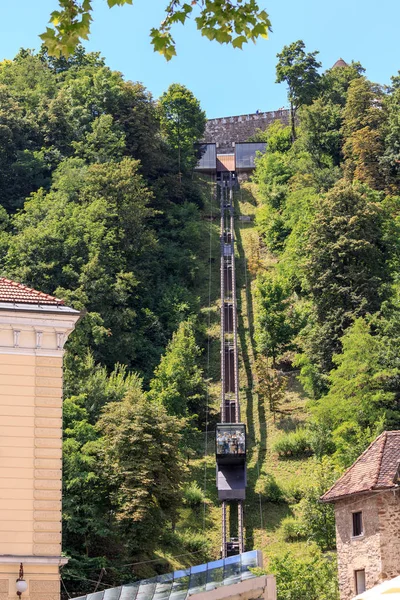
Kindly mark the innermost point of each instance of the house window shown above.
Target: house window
(357, 524)
(359, 577)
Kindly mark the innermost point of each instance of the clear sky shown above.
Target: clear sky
(226, 81)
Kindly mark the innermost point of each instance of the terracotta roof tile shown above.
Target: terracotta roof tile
(11, 291)
(340, 63)
(374, 469)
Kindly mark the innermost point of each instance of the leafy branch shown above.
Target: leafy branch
(233, 22)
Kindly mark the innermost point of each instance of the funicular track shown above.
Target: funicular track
(231, 461)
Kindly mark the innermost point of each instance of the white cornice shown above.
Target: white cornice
(32, 560)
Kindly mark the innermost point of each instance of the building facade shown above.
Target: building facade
(367, 513)
(33, 330)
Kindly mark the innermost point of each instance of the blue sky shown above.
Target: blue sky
(227, 81)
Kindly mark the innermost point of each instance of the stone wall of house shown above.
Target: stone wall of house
(388, 505)
(225, 131)
(362, 552)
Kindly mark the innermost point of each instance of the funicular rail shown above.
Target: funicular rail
(231, 451)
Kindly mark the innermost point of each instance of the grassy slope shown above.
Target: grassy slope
(262, 519)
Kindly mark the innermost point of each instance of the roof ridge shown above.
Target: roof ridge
(17, 292)
(337, 482)
(384, 433)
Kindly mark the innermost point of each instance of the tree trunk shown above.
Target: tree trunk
(293, 121)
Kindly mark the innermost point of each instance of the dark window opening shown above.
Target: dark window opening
(357, 524)
(359, 577)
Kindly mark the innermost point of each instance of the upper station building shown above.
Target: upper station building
(225, 149)
(367, 513)
(33, 330)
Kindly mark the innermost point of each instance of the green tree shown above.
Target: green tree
(183, 123)
(299, 69)
(391, 157)
(178, 382)
(318, 518)
(363, 119)
(235, 23)
(276, 322)
(313, 577)
(347, 270)
(270, 385)
(88, 238)
(143, 461)
(320, 131)
(360, 400)
(104, 143)
(335, 82)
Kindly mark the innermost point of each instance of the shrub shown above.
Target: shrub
(193, 495)
(294, 490)
(313, 577)
(269, 488)
(194, 541)
(295, 443)
(292, 529)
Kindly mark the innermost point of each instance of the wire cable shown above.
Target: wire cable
(212, 191)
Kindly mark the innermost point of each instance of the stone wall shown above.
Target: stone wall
(388, 505)
(377, 550)
(225, 131)
(356, 553)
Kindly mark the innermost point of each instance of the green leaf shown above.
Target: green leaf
(239, 41)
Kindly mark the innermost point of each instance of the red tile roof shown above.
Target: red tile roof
(11, 291)
(375, 469)
(340, 63)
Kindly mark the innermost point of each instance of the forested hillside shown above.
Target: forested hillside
(326, 288)
(98, 207)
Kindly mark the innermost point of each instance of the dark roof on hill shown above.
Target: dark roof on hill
(340, 63)
(375, 469)
(11, 291)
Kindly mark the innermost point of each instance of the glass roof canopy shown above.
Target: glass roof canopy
(181, 584)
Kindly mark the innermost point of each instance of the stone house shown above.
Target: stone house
(367, 512)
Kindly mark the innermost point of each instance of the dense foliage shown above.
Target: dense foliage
(98, 207)
(329, 213)
(326, 300)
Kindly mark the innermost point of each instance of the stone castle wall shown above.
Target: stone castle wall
(225, 131)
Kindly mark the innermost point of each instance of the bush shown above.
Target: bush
(295, 443)
(269, 488)
(194, 541)
(193, 495)
(312, 577)
(292, 529)
(294, 490)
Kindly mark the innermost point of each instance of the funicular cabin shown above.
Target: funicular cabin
(230, 452)
(231, 443)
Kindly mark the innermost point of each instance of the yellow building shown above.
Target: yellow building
(33, 329)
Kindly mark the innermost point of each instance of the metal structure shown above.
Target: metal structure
(230, 433)
(245, 154)
(182, 584)
(207, 157)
